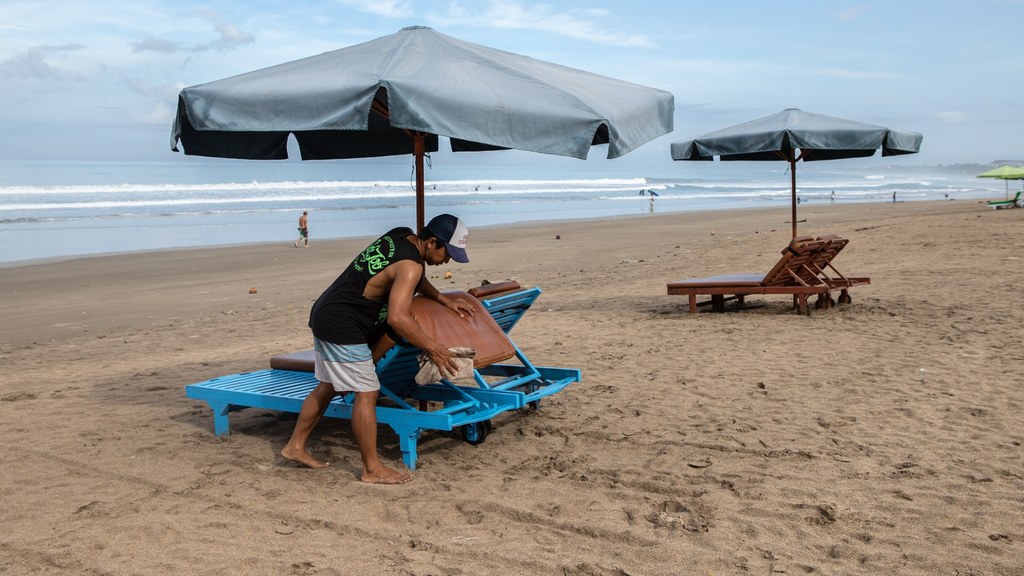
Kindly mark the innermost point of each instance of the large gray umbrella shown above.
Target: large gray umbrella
(793, 135)
(397, 94)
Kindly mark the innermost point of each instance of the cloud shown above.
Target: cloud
(582, 24)
(157, 91)
(386, 8)
(852, 13)
(34, 63)
(953, 117)
(152, 44)
(161, 114)
(229, 35)
(159, 97)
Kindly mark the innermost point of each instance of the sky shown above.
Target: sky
(98, 79)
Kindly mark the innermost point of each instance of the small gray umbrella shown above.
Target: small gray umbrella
(397, 94)
(793, 135)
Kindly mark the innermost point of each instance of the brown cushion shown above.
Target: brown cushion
(479, 331)
(719, 281)
(494, 288)
(302, 361)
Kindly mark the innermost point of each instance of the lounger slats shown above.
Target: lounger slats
(508, 309)
(283, 383)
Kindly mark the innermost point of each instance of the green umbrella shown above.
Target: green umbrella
(1007, 173)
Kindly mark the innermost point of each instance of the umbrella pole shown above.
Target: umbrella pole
(418, 150)
(792, 178)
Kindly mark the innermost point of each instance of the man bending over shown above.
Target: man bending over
(375, 292)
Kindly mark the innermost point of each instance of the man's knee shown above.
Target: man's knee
(367, 396)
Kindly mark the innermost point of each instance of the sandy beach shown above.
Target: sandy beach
(879, 437)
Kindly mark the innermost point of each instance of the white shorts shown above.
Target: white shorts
(349, 368)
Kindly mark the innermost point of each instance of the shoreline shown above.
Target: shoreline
(524, 223)
(879, 437)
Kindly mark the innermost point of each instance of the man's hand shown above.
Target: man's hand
(443, 359)
(458, 305)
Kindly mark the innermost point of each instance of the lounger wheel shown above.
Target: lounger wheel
(477, 432)
(844, 298)
(824, 302)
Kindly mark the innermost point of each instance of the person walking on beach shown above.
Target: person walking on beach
(833, 197)
(375, 293)
(893, 196)
(303, 230)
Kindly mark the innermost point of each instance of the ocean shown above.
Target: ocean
(54, 210)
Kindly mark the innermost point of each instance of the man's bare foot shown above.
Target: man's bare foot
(302, 457)
(385, 475)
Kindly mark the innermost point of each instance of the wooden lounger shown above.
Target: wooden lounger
(823, 269)
(789, 276)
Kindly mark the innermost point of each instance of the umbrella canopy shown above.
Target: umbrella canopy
(793, 135)
(397, 94)
(1007, 173)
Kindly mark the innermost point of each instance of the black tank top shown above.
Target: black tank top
(341, 314)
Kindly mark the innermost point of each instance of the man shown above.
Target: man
(303, 230)
(375, 293)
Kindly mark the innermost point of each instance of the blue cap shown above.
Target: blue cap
(453, 233)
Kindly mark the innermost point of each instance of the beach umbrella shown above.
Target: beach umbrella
(399, 93)
(1007, 173)
(793, 135)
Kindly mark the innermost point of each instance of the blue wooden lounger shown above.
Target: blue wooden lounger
(506, 302)
(504, 378)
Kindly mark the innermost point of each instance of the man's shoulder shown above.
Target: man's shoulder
(400, 232)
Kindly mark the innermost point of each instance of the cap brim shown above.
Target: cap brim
(456, 253)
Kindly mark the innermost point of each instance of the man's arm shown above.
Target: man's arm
(408, 276)
(459, 305)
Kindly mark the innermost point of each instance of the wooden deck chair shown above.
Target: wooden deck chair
(407, 408)
(823, 269)
(789, 276)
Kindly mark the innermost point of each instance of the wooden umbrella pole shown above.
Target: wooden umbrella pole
(418, 150)
(419, 147)
(792, 178)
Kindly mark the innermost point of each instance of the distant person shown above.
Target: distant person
(303, 230)
(374, 294)
(833, 196)
(893, 196)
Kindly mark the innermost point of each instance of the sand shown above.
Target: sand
(880, 437)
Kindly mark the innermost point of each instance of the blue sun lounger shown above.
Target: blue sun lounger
(504, 379)
(506, 302)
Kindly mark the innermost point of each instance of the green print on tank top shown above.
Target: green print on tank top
(377, 256)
